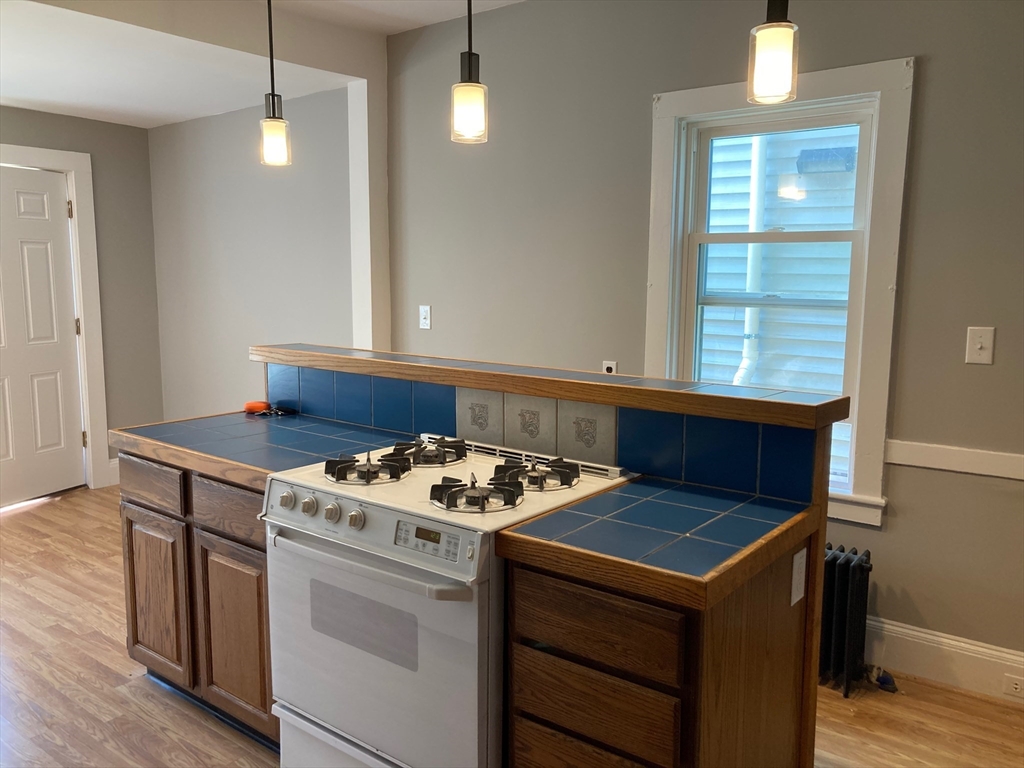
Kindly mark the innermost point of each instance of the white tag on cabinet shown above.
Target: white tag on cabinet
(796, 592)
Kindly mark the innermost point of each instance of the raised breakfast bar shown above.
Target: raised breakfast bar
(670, 621)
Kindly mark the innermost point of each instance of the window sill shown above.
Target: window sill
(866, 510)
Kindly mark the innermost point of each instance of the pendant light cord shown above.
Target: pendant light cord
(270, 28)
(469, 19)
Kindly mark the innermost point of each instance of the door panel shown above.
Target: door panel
(233, 633)
(156, 593)
(40, 400)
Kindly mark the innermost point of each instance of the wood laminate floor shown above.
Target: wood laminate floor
(70, 696)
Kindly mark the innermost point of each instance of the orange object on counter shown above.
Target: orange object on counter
(257, 406)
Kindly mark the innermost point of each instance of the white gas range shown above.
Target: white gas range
(386, 599)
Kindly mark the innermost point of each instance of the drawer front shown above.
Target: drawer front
(228, 510)
(620, 633)
(535, 746)
(615, 712)
(151, 485)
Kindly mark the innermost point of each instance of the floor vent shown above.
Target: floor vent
(844, 616)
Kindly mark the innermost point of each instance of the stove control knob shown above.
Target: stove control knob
(356, 519)
(332, 512)
(309, 506)
(287, 500)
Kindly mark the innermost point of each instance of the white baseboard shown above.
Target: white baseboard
(948, 659)
(114, 475)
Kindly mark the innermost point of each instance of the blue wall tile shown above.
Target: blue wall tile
(316, 392)
(722, 453)
(353, 398)
(651, 442)
(283, 386)
(787, 462)
(433, 408)
(392, 404)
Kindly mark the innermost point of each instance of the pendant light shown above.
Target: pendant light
(771, 76)
(469, 96)
(276, 143)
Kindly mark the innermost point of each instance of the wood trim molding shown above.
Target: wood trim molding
(672, 401)
(953, 458)
(233, 472)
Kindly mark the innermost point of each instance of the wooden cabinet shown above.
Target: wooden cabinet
(156, 593)
(233, 644)
(606, 678)
(196, 587)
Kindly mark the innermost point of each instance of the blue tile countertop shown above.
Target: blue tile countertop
(681, 527)
(272, 443)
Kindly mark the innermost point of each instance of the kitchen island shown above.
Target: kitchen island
(690, 641)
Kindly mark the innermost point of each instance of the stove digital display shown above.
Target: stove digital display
(434, 537)
(427, 541)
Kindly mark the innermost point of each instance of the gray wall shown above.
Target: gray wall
(124, 243)
(545, 227)
(245, 253)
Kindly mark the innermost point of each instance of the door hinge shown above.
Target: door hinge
(78, 326)
(71, 210)
(85, 439)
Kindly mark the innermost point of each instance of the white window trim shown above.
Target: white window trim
(887, 86)
(77, 167)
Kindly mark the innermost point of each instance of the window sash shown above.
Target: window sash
(696, 204)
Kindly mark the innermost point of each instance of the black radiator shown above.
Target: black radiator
(844, 616)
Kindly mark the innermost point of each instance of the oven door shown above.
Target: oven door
(390, 655)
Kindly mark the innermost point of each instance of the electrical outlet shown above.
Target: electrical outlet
(1013, 686)
(425, 317)
(610, 366)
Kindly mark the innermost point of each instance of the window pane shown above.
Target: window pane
(776, 347)
(792, 180)
(783, 348)
(801, 270)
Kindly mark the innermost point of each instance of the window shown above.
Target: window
(775, 231)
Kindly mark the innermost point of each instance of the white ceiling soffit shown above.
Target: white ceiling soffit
(388, 16)
(56, 60)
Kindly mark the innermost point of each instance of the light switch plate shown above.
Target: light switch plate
(425, 317)
(980, 345)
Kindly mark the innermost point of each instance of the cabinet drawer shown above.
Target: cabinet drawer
(620, 633)
(615, 712)
(535, 746)
(152, 485)
(228, 509)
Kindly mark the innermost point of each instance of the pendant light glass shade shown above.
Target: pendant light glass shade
(469, 113)
(771, 75)
(276, 144)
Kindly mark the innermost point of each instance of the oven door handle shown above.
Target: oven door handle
(434, 590)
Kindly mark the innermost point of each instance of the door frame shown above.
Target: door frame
(100, 471)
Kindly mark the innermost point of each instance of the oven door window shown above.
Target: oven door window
(387, 632)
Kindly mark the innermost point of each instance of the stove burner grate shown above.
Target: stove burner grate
(442, 452)
(555, 475)
(348, 469)
(453, 494)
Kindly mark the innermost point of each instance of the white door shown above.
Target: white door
(40, 404)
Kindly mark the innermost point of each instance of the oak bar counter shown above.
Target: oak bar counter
(671, 622)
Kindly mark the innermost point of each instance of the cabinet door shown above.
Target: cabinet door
(156, 593)
(233, 635)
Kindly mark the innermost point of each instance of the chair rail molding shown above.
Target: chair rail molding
(952, 458)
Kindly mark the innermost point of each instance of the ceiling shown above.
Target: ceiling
(388, 16)
(56, 60)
